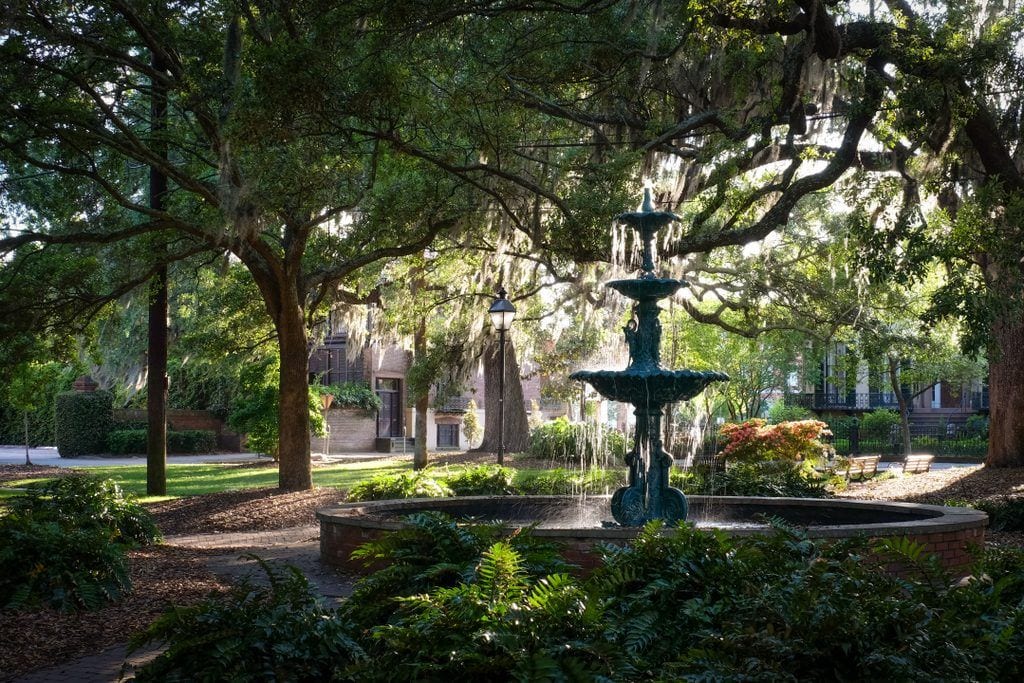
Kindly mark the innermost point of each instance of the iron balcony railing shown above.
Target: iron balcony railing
(825, 400)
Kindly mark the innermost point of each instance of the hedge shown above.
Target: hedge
(133, 441)
(82, 421)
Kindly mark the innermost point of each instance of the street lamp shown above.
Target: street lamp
(502, 314)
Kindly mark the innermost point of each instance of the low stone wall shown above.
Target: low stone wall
(948, 533)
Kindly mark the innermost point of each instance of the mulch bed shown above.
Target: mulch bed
(161, 576)
(247, 510)
(19, 472)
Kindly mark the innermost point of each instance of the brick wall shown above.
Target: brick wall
(351, 431)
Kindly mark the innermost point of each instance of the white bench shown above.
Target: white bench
(862, 466)
(915, 464)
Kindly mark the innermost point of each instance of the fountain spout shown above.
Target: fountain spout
(646, 385)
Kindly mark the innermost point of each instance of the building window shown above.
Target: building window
(448, 436)
(329, 364)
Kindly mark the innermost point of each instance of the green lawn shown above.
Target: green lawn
(192, 480)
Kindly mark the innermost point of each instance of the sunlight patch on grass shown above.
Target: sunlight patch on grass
(197, 479)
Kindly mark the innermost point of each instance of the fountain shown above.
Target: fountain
(581, 524)
(646, 385)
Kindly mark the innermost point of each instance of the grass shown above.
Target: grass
(194, 480)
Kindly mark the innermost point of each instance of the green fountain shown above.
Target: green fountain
(646, 385)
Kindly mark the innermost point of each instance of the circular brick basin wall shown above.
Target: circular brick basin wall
(580, 523)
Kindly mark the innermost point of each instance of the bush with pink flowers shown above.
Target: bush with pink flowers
(756, 441)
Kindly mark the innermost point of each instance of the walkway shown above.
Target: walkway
(298, 546)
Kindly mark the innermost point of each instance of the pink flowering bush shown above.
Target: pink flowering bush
(756, 441)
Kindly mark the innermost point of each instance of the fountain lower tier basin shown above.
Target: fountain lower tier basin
(648, 388)
(581, 523)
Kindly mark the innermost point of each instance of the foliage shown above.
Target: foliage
(31, 392)
(81, 422)
(756, 441)
(1005, 513)
(435, 551)
(43, 563)
(977, 426)
(84, 502)
(178, 441)
(402, 485)
(255, 411)
(780, 411)
(455, 601)
(498, 624)
(354, 395)
(773, 478)
(879, 424)
(482, 480)
(471, 423)
(281, 632)
(560, 482)
(583, 443)
(62, 544)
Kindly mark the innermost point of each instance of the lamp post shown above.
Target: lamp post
(502, 314)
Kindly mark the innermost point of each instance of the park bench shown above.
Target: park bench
(862, 466)
(917, 463)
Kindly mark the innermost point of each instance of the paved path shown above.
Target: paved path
(298, 546)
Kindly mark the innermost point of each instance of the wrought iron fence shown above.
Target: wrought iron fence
(969, 439)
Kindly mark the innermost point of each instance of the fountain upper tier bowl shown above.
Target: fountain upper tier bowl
(648, 388)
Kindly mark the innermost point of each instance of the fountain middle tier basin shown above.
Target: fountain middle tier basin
(582, 523)
(647, 289)
(648, 388)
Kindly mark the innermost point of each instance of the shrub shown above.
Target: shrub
(780, 411)
(281, 633)
(585, 443)
(976, 426)
(191, 441)
(435, 551)
(482, 480)
(1005, 514)
(878, 425)
(560, 482)
(756, 441)
(61, 544)
(81, 422)
(186, 441)
(83, 502)
(771, 478)
(401, 485)
(43, 563)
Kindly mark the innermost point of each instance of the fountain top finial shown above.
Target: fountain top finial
(647, 221)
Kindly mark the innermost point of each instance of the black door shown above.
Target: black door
(389, 419)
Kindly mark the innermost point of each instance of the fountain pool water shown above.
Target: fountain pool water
(580, 523)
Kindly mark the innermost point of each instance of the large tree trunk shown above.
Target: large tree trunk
(156, 383)
(419, 456)
(156, 388)
(294, 467)
(517, 430)
(1006, 395)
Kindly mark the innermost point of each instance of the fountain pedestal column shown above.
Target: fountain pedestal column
(647, 386)
(648, 494)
